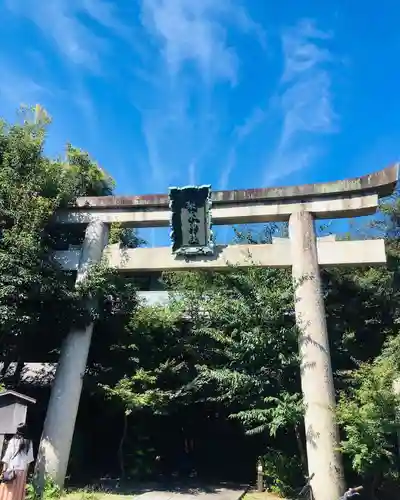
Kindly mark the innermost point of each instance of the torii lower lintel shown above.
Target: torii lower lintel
(139, 260)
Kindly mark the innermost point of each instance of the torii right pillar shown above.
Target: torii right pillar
(322, 438)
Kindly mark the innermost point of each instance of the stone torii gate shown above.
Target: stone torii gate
(300, 205)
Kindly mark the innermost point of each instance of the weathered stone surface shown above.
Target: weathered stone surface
(322, 436)
(58, 429)
(145, 260)
(321, 208)
(381, 183)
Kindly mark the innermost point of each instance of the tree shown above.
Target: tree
(368, 409)
(369, 415)
(38, 300)
(227, 340)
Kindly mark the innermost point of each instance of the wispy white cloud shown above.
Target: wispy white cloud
(83, 34)
(192, 173)
(192, 55)
(61, 22)
(255, 119)
(17, 88)
(301, 49)
(228, 168)
(104, 12)
(189, 51)
(157, 171)
(195, 31)
(306, 101)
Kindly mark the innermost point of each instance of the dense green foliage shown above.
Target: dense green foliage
(38, 301)
(370, 415)
(211, 381)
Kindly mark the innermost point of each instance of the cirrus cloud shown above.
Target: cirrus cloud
(305, 100)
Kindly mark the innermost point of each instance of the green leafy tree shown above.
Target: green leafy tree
(368, 409)
(227, 340)
(38, 301)
(369, 414)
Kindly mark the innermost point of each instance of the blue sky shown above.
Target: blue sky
(236, 93)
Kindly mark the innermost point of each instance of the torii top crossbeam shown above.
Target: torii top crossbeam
(381, 183)
(346, 198)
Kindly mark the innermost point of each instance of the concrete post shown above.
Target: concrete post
(58, 430)
(316, 371)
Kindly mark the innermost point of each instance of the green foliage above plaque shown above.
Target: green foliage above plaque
(191, 232)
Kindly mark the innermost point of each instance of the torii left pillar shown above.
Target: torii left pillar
(58, 430)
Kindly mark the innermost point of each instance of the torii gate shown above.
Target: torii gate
(299, 205)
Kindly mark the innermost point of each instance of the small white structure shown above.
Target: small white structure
(13, 409)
